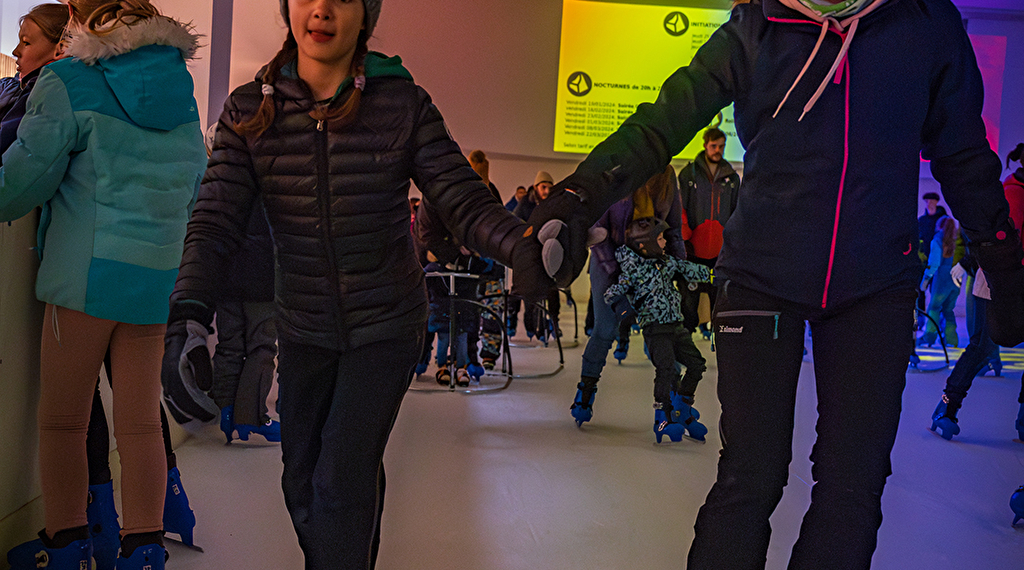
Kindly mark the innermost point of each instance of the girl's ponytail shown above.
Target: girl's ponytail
(264, 116)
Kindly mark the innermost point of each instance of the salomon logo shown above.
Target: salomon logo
(728, 329)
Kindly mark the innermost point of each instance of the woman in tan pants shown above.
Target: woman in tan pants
(111, 147)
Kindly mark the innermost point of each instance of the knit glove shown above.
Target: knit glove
(1002, 260)
(957, 274)
(561, 223)
(622, 308)
(529, 279)
(186, 371)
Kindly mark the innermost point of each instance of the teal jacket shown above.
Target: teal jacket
(112, 149)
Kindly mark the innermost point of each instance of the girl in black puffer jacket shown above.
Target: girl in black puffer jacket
(329, 137)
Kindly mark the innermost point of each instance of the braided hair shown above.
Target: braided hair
(336, 116)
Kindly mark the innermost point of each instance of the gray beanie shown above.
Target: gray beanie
(372, 8)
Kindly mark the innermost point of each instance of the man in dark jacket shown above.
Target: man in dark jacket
(824, 231)
(709, 188)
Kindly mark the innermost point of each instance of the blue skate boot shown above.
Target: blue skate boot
(270, 429)
(583, 405)
(1016, 503)
(103, 526)
(663, 425)
(944, 421)
(421, 367)
(684, 413)
(475, 371)
(1019, 424)
(621, 350)
(43, 553)
(147, 557)
(178, 516)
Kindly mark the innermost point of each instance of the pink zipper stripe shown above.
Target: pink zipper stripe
(842, 185)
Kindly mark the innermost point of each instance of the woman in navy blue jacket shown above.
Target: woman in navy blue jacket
(825, 231)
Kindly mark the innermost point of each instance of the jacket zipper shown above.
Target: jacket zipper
(843, 73)
(323, 194)
(775, 314)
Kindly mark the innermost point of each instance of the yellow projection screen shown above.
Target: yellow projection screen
(615, 55)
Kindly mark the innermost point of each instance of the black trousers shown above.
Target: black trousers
(668, 344)
(338, 409)
(860, 360)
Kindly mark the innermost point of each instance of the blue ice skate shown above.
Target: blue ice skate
(944, 425)
(271, 430)
(1016, 503)
(421, 367)
(34, 554)
(663, 426)
(178, 516)
(621, 350)
(147, 557)
(685, 414)
(103, 526)
(583, 405)
(475, 371)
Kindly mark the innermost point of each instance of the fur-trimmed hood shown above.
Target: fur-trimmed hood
(123, 38)
(143, 63)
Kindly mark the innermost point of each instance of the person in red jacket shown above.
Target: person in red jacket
(709, 187)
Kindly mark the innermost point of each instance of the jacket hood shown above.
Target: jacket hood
(90, 48)
(142, 64)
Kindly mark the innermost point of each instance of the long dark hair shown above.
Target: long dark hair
(948, 227)
(336, 116)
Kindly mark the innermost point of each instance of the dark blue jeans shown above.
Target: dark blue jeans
(338, 409)
(979, 351)
(860, 361)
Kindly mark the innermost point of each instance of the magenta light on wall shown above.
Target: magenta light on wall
(991, 54)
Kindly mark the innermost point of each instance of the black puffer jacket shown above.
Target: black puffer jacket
(337, 203)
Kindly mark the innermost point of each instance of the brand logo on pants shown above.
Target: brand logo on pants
(728, 329)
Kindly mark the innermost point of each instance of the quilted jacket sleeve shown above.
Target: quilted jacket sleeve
(220, 215)
(462, 201)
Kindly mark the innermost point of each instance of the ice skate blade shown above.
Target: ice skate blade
(185, 544)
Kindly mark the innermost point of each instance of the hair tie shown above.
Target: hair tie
(267, 89)
(360, 82)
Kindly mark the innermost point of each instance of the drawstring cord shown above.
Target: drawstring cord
(814, 52)
(832, 72)
(846, 27)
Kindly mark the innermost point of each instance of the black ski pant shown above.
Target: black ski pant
(338, 409)
(860, 359)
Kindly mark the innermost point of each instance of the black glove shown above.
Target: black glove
(529, 280)
(186, 371)
(622, 308)
(561, 223)
(1001, 260)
